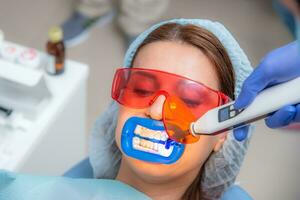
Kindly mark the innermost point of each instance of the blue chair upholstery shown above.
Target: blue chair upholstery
(84, 170)
(235, 192)
(81, 170)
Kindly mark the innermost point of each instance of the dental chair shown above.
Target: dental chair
(81, 170)
(84, 170)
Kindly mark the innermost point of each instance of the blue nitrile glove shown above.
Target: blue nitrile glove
(280, 65)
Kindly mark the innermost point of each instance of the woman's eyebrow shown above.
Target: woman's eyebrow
(179, 84)
(146, 74)
(149, 77)
(183, 82)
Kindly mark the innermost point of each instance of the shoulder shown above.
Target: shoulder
(237, 193)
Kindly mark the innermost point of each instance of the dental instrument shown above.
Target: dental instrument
(225, 117)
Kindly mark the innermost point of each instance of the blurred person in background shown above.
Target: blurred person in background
(133, 17)
(288, 10)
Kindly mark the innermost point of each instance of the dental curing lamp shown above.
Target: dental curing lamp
(225, 117)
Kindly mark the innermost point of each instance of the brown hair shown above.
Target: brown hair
(209, 44)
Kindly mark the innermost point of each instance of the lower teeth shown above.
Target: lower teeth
(151, 147)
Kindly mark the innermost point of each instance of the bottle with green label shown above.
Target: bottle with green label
(56, 51)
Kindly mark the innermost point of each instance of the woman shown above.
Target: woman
(204, 56)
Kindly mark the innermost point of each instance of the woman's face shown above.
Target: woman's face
(188, 61)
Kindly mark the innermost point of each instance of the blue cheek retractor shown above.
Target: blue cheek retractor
(128, 134)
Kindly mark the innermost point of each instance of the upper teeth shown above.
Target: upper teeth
(152, 134)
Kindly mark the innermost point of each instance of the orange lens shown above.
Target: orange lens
(177, 118)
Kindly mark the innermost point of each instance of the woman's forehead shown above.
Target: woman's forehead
(178, 58)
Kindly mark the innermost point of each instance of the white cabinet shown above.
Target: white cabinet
(55, 138)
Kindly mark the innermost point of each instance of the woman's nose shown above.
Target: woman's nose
(155, 109)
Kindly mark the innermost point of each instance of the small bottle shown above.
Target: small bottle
(56, 50)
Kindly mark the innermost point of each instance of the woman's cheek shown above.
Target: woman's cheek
(118, 134)
(120, 124)
(124, 114)
(199, 152)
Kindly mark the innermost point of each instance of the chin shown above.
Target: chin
(152, 171)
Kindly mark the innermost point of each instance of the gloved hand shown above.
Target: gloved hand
(280, 65)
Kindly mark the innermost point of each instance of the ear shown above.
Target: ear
(220, 141)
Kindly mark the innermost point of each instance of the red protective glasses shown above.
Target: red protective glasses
(186, 100)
